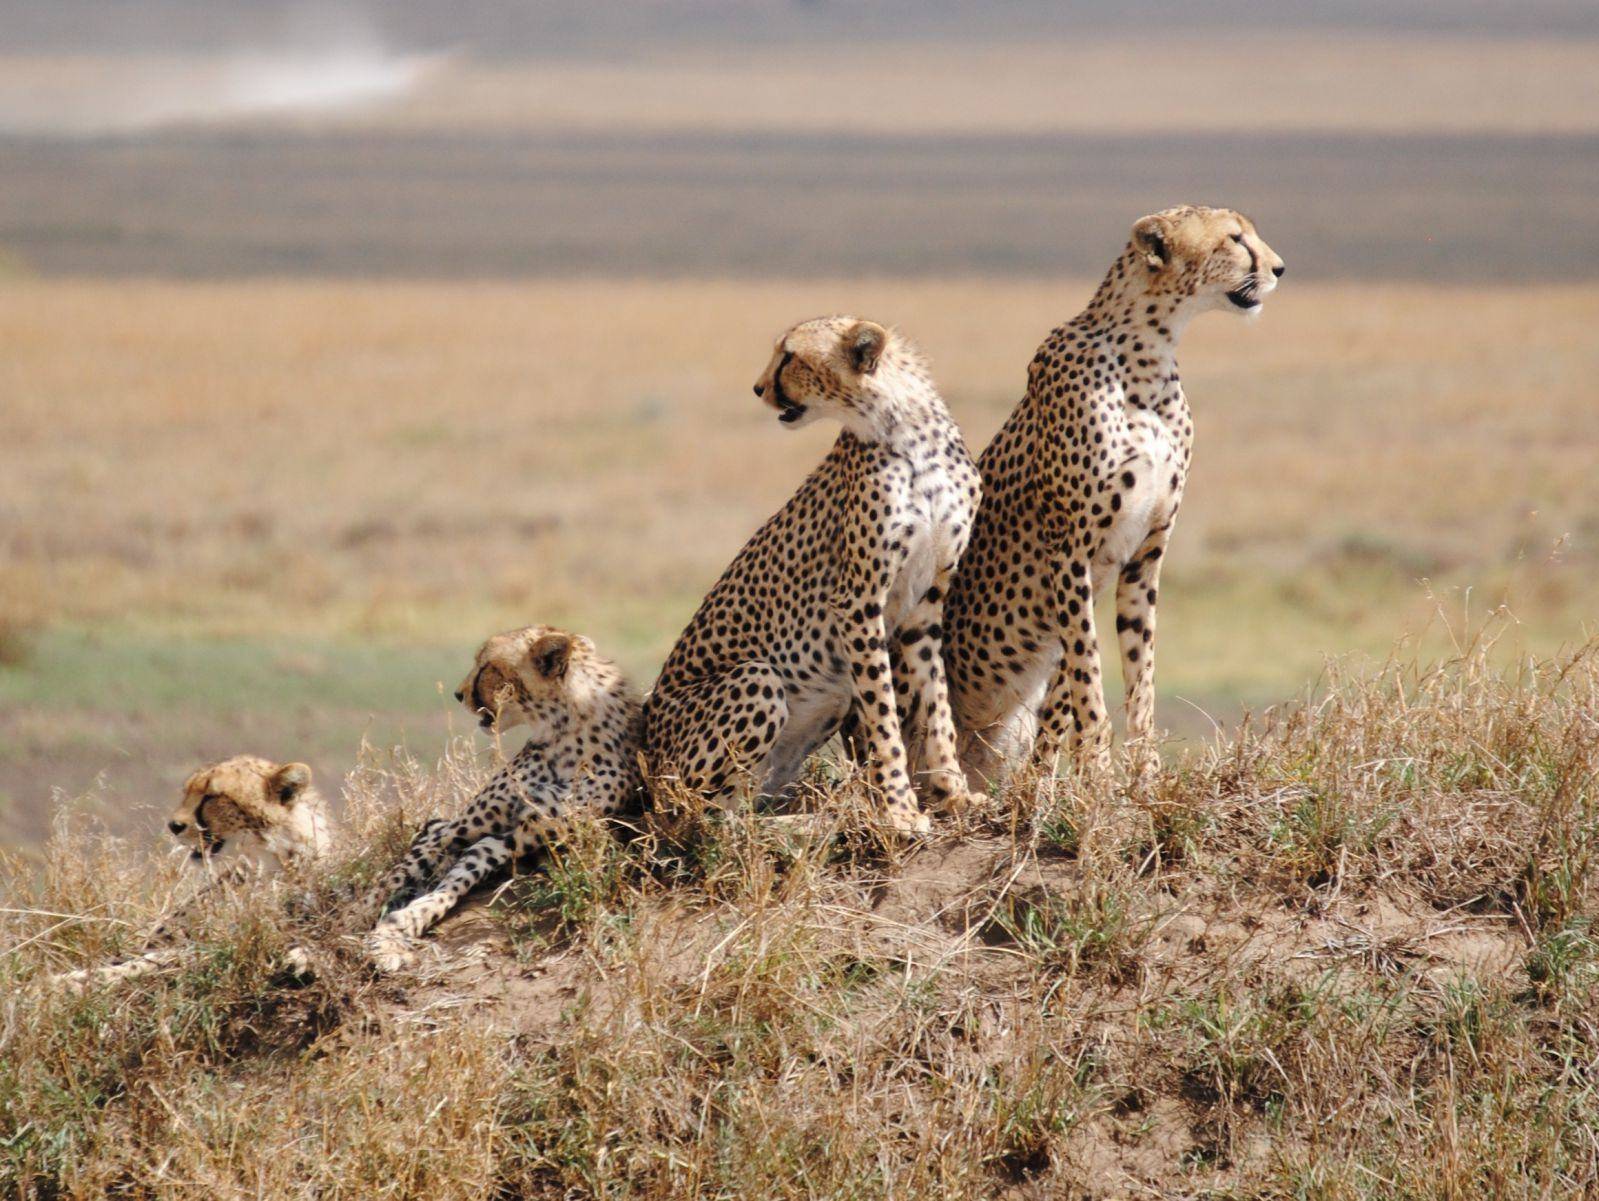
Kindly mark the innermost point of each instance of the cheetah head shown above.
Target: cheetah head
(825, 368)
(526, 677)
(1206, 258)
(249, 808)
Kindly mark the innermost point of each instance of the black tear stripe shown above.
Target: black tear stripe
(780, 397)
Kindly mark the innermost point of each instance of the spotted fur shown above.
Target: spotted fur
(1081, 487)
(797, 634)
(242, 819)
(584, 739)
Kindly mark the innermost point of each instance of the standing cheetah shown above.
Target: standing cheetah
(1081, 485)
(796, 634)
(584, 722)
(240, 819)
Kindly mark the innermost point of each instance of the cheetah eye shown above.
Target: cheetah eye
(1239, 238)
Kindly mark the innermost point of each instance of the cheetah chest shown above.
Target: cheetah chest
(1141, 495)
(930, 511)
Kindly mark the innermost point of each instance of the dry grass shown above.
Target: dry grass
(1348, 954)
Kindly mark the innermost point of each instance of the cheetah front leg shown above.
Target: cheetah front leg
(390, 943)
(435, 843)
(872, 678)
(114, 973)
(1074, 706)
(162, 946)
(1136, 590)
(922, 694)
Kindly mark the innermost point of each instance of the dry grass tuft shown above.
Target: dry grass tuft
(1348, 953)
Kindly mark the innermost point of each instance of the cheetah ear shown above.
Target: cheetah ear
(1151, 237)
(289, 782)
(550, 655)
(864, 342)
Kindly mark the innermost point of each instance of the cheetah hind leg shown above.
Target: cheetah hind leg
(726, 732)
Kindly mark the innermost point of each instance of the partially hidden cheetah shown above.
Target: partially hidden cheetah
(584, 741)
(796, 636)
(1081, 486)
(243, 818)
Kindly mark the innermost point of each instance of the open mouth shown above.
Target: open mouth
(788, 410)
(210, 846)
(1244, 297)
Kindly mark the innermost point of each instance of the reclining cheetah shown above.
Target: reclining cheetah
(797, 631)
(583, 749)
(242, 818)
(1082, 485)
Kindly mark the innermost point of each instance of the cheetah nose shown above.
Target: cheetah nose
(459, 695)
(760, 389)
(177, 827)
(1279, 269)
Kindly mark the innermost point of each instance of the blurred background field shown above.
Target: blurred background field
(334, 339)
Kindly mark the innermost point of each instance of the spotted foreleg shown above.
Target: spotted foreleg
(390, 942)
(163, 945)
(872, 678)
(922, 696)
(146, 964)
(1136, 590)
(1074, 707)
(435, 844)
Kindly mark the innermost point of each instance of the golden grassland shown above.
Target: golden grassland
(281, 514)
(344, 458)
(1347, 955)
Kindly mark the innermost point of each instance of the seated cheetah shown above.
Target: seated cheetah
(242, 818)
(584, 734)
(796, 634)
(1080, 486)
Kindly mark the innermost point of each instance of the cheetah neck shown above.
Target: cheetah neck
(902, 406)
(1128, 300)
(598, 692)
(1138, 326)
(307, 835)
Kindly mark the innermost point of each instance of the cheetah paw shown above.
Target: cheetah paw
(390, 950)
(911, 825)
(76, 983)
(297, 960)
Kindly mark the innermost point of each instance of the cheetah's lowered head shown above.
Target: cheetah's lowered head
(537, 677)
(1204, 258)
(840, 367)
(248, 809)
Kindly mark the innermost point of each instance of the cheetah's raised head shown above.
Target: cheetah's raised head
(250, 808)
(526, 677)
(1206, 258)
(827, 367)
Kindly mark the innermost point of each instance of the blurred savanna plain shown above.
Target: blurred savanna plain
(332, 340)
